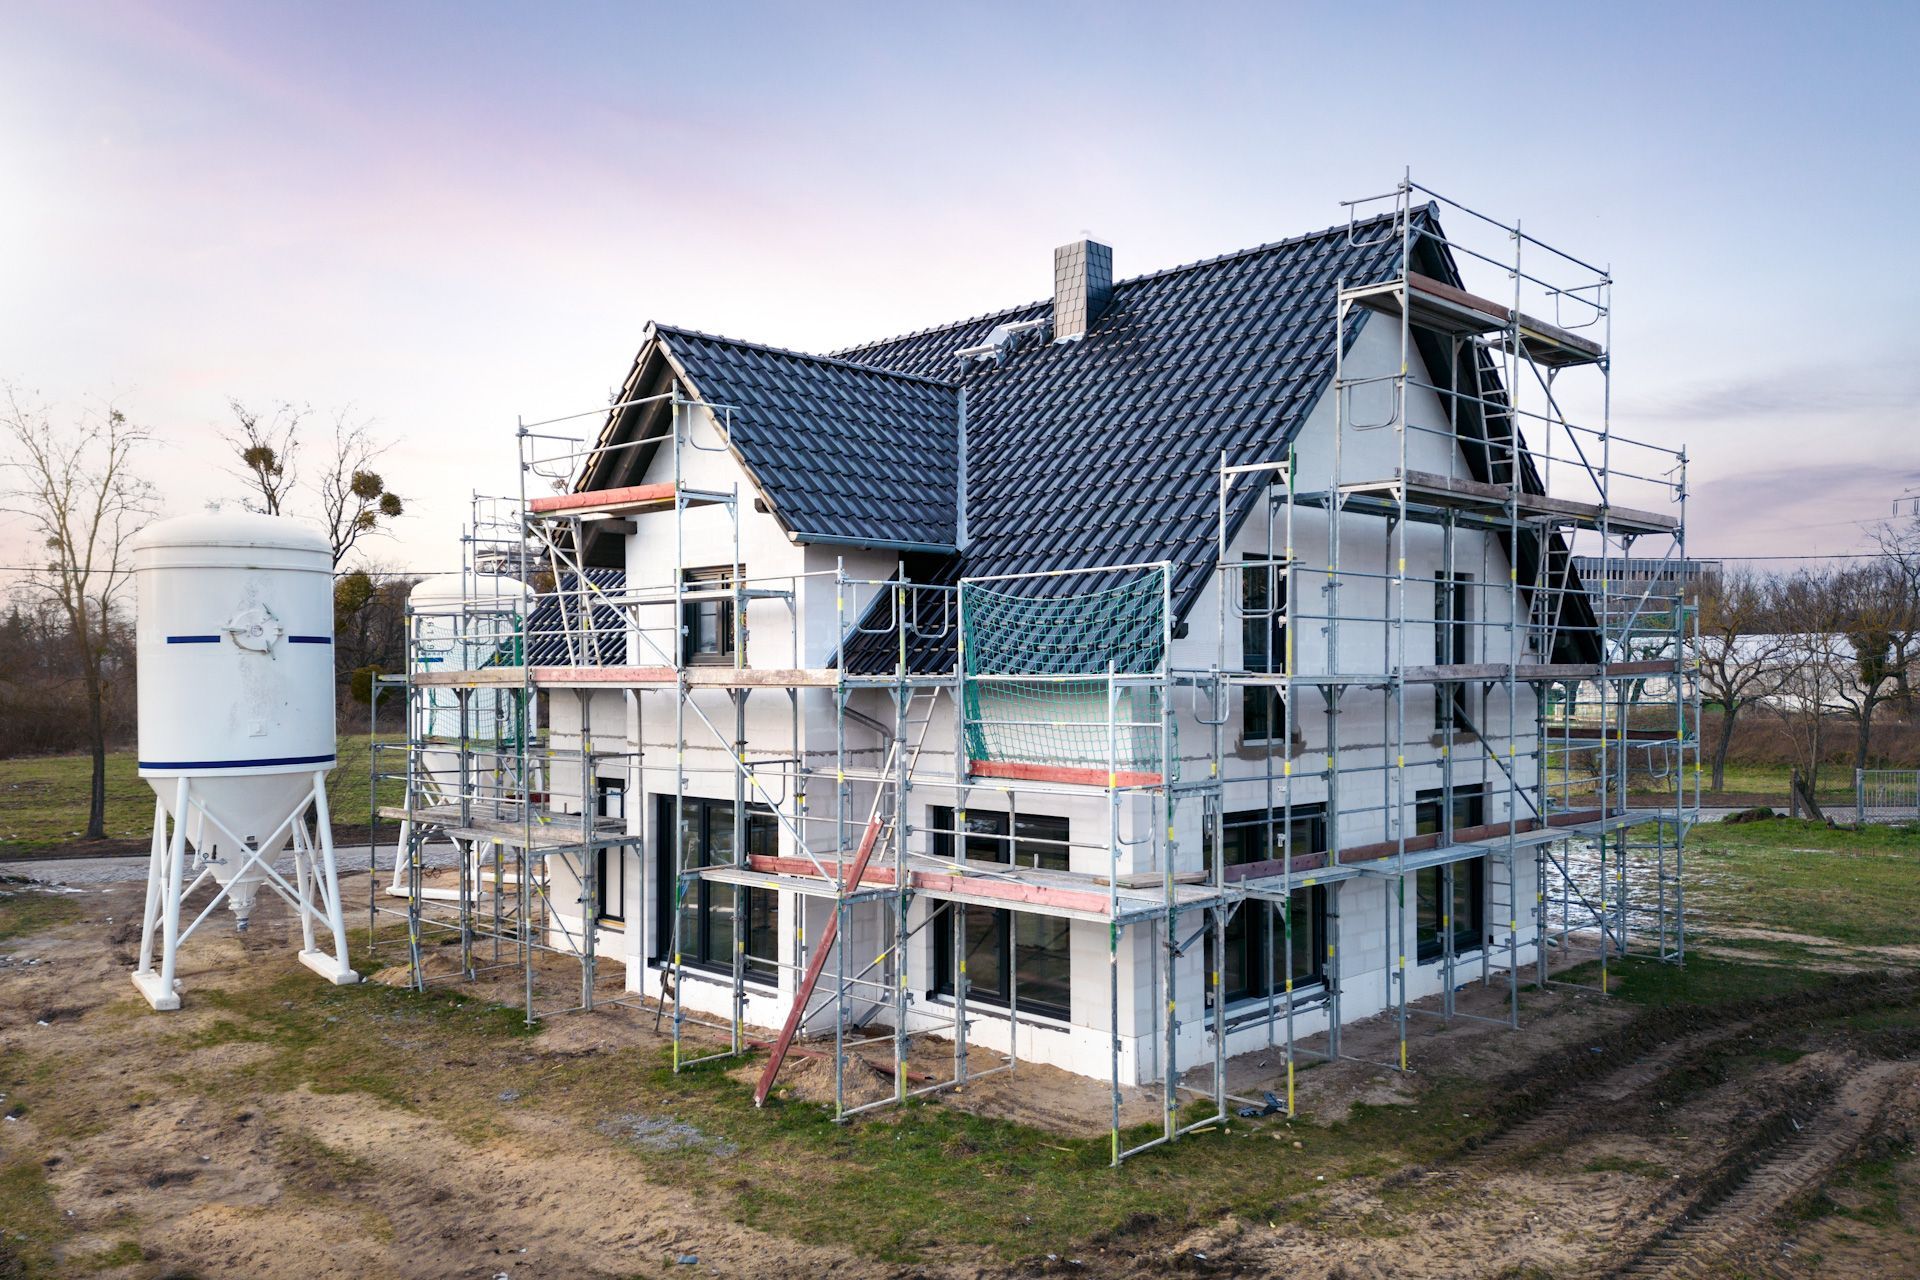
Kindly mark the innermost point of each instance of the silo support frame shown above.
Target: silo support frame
(314, 893)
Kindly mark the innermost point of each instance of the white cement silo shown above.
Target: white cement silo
(236, 702)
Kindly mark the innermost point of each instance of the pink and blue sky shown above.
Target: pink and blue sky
(447, 216)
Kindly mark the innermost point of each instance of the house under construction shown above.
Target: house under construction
(1167, 669)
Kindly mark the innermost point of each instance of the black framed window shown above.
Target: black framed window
(707, 921)
(1469, 807)
(1451, 899)
(1263, 644)
(1008, 954)
(1254, 964)
(610, 864)
(708, 623)
(1452, 643)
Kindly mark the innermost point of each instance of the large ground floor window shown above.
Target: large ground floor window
(1015, 958)
(707, 923)
(1451, 899)
(1263, 934)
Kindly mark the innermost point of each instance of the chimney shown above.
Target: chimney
(1082, 287)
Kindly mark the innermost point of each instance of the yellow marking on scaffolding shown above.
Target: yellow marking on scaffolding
(1113, 779)
(841, 775)
(1513, 926)
(1306, 881)
(1400, 762)
(1513, 575)
(1403, 1055)
(1403, 963)
(1403, 566)
(1329, 951)
(1169, 831)
(1213, 770)
(1286, 769)
(1329, 762)
(1289, 1087)
(800, 935)
(963, 967)
(1216, 977)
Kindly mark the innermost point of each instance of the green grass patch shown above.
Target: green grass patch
(43, 799)
(948, 1178)
(26, 910)
(1856, 887)
(1701, 981)
(365, 1038)
(31, 1228)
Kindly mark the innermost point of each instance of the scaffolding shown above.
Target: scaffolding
(1566, 709)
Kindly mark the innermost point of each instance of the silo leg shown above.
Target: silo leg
(331, 967)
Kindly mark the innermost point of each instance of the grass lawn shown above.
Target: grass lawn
(1797, 875)
(43, 799)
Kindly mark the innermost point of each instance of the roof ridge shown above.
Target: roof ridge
(802, 355)
(942, 328)
(1268, 247)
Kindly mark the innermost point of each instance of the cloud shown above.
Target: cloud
(1811, 389)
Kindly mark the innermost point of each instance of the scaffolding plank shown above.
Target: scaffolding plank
(1091, 777)
(698, 677)
(1433, 488)
(1444, 308)
(627, 500)
(1079, 895)
(1306, 863)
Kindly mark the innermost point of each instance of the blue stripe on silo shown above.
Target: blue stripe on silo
(235, 764)
(309, 639)
(193, 639)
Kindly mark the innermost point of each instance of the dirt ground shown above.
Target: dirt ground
(1768, 1139)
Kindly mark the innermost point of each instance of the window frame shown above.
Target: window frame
(726, 632)
(1452, 645)
(1468, 938)
(762, 905)
(610, 861)
(1251, 924)
(1260, 718)
(995, 836)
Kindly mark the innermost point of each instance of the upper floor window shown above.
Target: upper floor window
(1263, 643)
(1453, 645)
(707, 619)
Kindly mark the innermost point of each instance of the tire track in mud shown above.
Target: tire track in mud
(1557, 1107)
(1793, 1157)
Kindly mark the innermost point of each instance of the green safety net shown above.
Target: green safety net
(1037, 672)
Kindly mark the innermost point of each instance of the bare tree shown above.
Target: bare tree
(265, 445)
(1900, 548)
(1744, 658)
(1880, 621)
(354, 499)
(1811, 608)
(75, 486)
